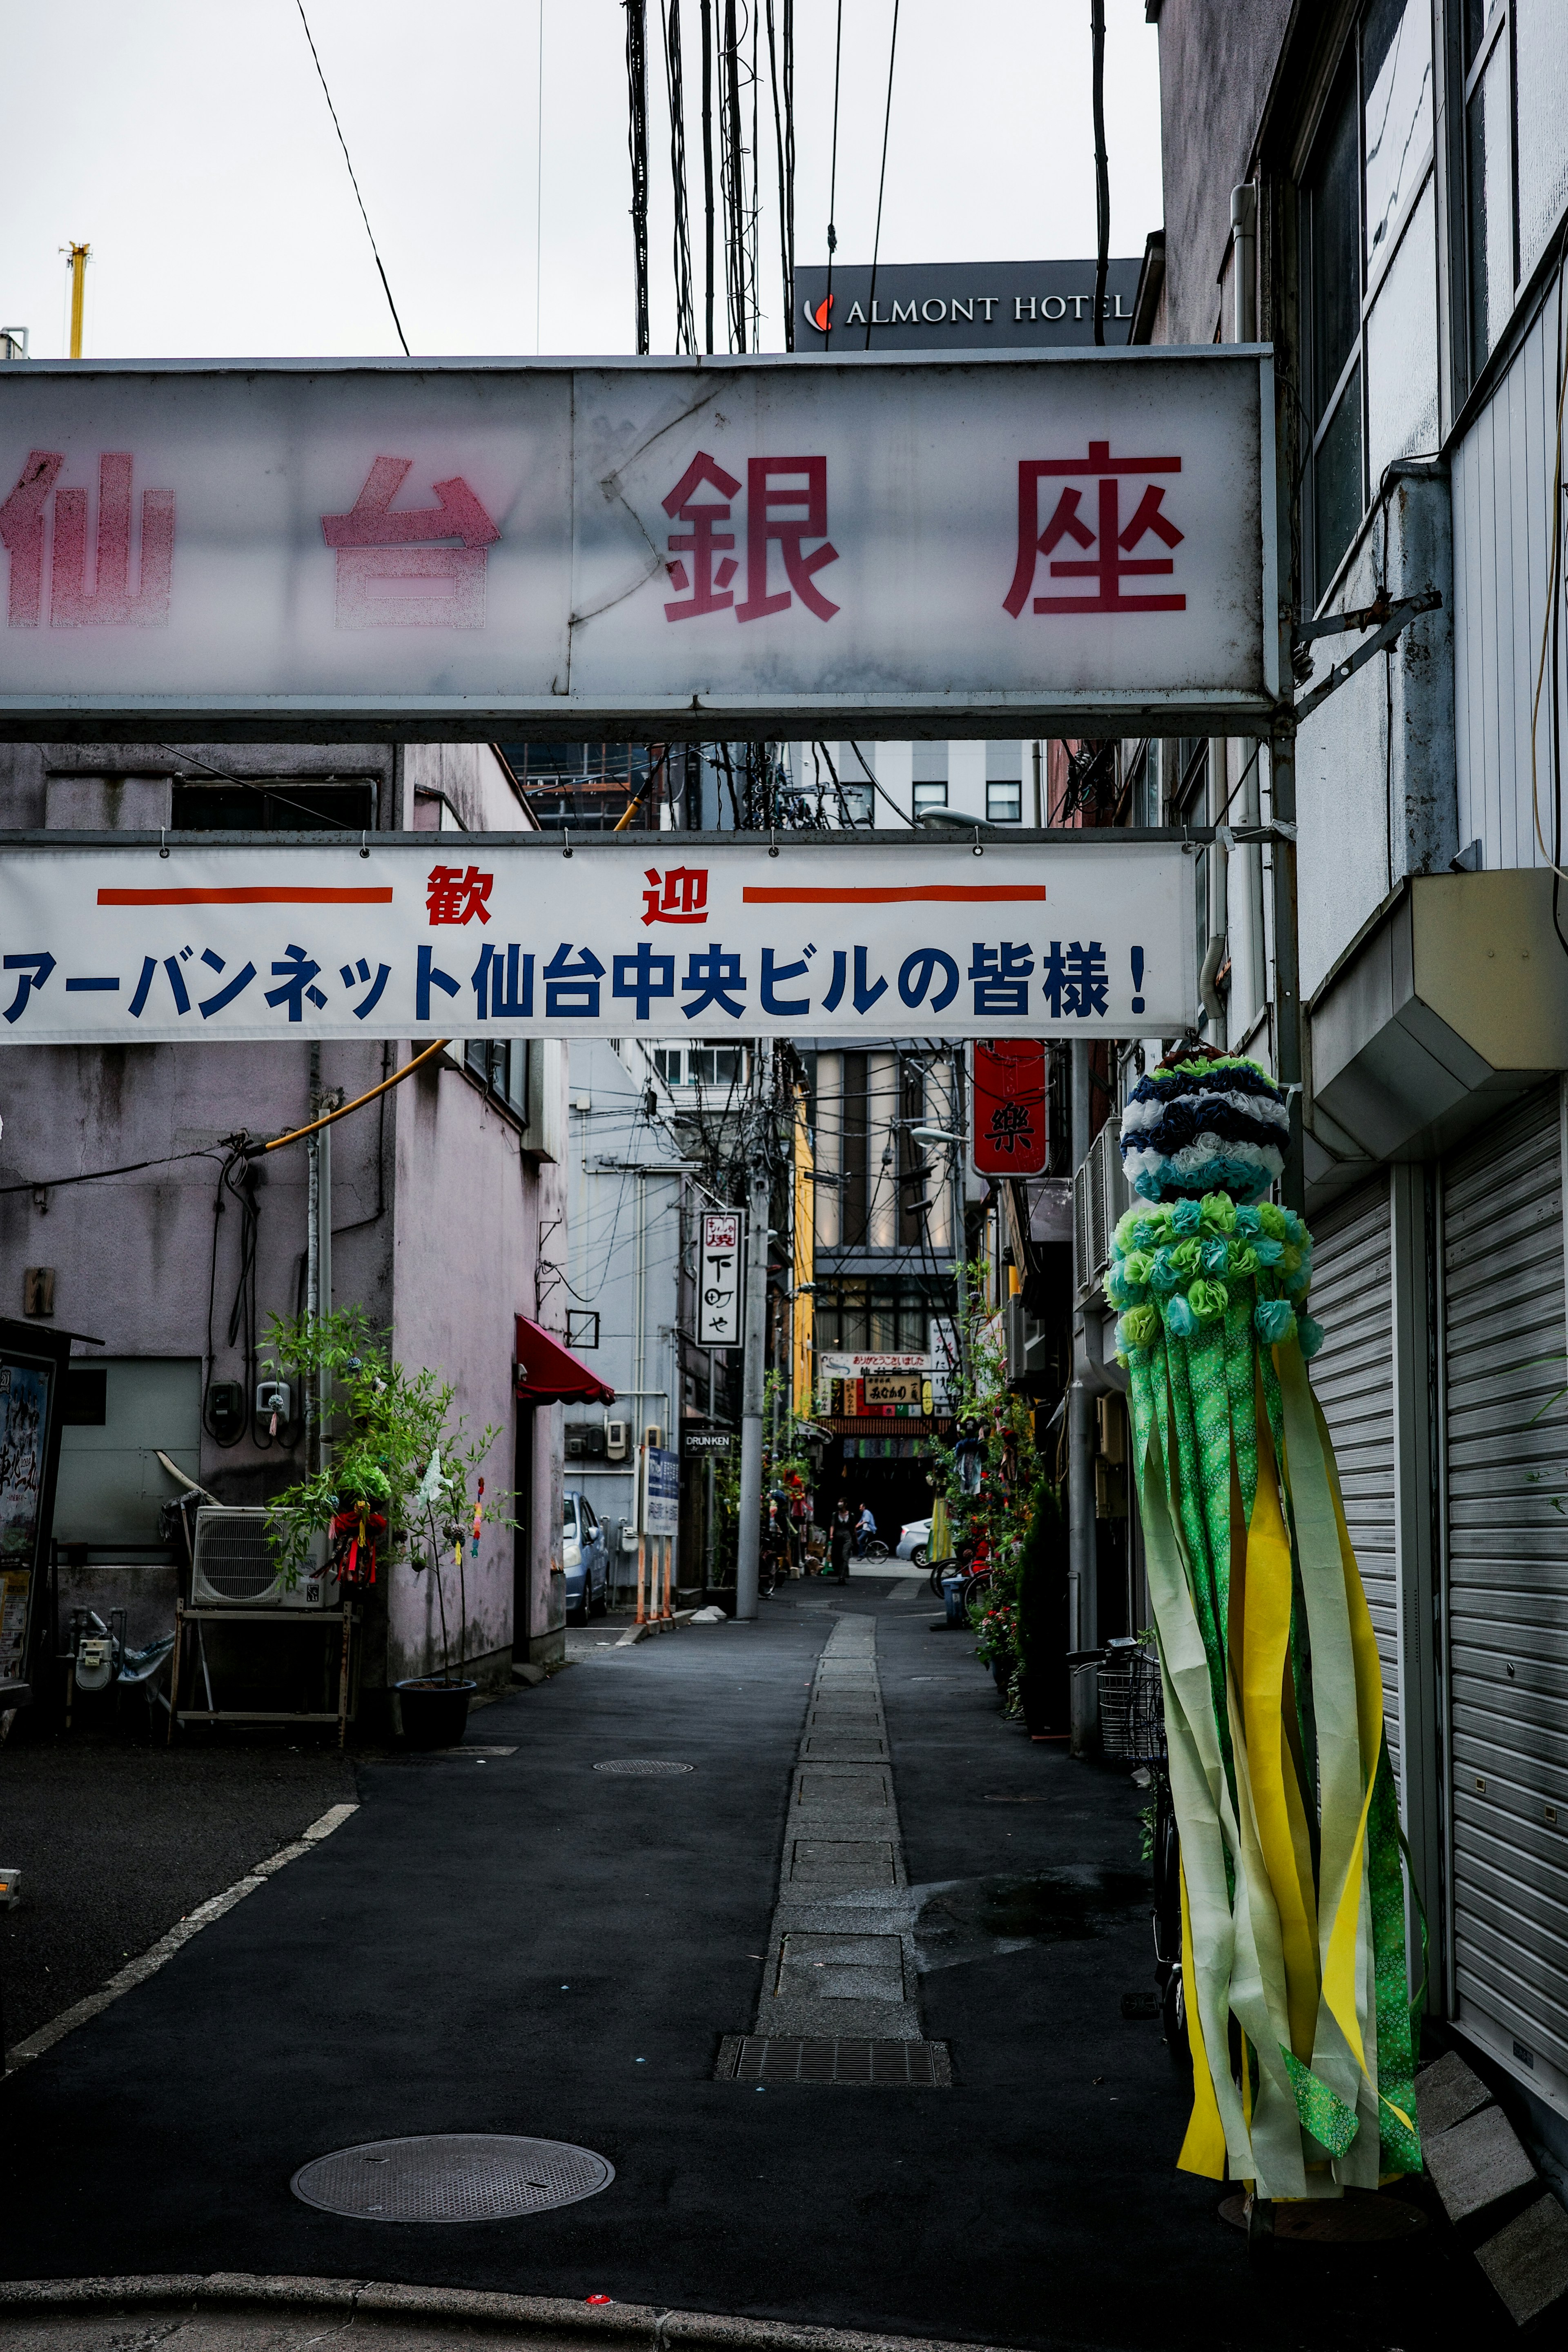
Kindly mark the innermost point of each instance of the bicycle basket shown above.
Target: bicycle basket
(1114, 1680)
(1146, 1708)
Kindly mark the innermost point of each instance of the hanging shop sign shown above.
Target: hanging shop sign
(1088, 934)
(889, 1391)
(1007, 1099)
(1080, 540)
(721, 1243)
(708, 1445)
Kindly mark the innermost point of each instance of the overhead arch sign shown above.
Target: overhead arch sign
(645, 549)
(109, 940)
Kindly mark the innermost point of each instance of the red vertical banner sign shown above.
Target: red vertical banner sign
(1008, 1136)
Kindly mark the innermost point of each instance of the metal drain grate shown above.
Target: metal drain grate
(782, 2058)
(643, 1768)
(451, 2177)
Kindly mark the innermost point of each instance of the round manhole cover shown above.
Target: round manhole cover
(642, 1768)
(451, 2177)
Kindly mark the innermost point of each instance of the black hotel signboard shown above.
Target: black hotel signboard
(952, 306)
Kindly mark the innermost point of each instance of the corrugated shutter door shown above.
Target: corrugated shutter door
(1503, 1338)
(1352, 1373)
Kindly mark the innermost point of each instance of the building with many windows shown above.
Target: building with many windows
(1377, 188)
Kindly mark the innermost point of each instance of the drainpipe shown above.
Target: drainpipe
(1244, 240)
(1083, 1612)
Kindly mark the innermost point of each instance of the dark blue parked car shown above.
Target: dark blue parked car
(585, 1556)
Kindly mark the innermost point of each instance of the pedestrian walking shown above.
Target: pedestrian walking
(840, 1536)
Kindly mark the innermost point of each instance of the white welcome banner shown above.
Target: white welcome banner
(661, 935)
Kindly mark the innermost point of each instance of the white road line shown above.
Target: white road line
(149, 1962)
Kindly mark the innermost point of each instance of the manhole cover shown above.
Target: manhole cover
(451, 2177)
(642, 1768)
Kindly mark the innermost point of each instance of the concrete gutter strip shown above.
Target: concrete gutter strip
(654, 1625)
(535, 2316)
(148, 1963)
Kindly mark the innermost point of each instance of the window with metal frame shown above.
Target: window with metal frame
(1368, 237)
(273, 805)
(500, 1066)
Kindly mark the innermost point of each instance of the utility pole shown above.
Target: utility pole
(78, 258)
(754, 1336)
(1083, 1613)
(319, 1252)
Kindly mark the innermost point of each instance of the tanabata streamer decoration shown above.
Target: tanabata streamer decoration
(1293, 1954)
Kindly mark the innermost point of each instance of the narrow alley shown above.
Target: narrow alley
(848, 1848)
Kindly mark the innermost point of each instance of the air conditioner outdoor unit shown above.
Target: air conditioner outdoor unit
(235, 1566)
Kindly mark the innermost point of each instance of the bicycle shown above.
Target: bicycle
(1132, 1726)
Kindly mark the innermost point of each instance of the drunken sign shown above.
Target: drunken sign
(1089, 934)
(1068, 541)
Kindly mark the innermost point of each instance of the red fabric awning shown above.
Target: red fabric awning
(548, 1373)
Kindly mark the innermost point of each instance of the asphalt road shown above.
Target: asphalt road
(116, 1842)
(518, 1944)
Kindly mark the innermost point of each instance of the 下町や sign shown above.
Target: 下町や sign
(1086, 934)
(719, 1254)
(645, 549)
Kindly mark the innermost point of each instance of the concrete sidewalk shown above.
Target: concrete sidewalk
(516, 1943)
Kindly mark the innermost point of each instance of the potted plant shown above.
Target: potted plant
(398, 1481)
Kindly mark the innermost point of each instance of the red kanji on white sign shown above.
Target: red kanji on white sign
(1112, 561)
(111, 602)
(391, 572)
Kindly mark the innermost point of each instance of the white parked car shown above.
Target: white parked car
(914, 1542)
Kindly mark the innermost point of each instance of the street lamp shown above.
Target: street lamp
(942, 820)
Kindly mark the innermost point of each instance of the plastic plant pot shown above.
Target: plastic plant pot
(435, 1714)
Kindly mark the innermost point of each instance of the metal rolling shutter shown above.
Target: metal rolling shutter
(1503, 1336)
(1352, 1373)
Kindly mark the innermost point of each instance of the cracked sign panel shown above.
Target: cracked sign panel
(812, 545)
(659, 934)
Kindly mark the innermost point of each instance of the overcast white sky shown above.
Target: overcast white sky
(189, 143)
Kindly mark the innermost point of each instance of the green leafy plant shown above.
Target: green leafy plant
(402, 1472)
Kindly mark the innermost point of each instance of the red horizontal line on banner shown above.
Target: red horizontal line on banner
(261, 893)
(962, 893)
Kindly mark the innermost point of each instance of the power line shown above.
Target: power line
(1101, 165)
(675, 86)
(832, 176)
(883, 176)
(636, 145)
(354, 183)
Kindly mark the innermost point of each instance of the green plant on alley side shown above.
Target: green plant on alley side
(396, 1455)
(1000, 1499)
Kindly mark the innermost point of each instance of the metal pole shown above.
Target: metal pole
(959, 1237)
(324, 1276)
(1287, 974)
(749, 1547)
(312, 1278)
(1083, 1612)
(710, 1531)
